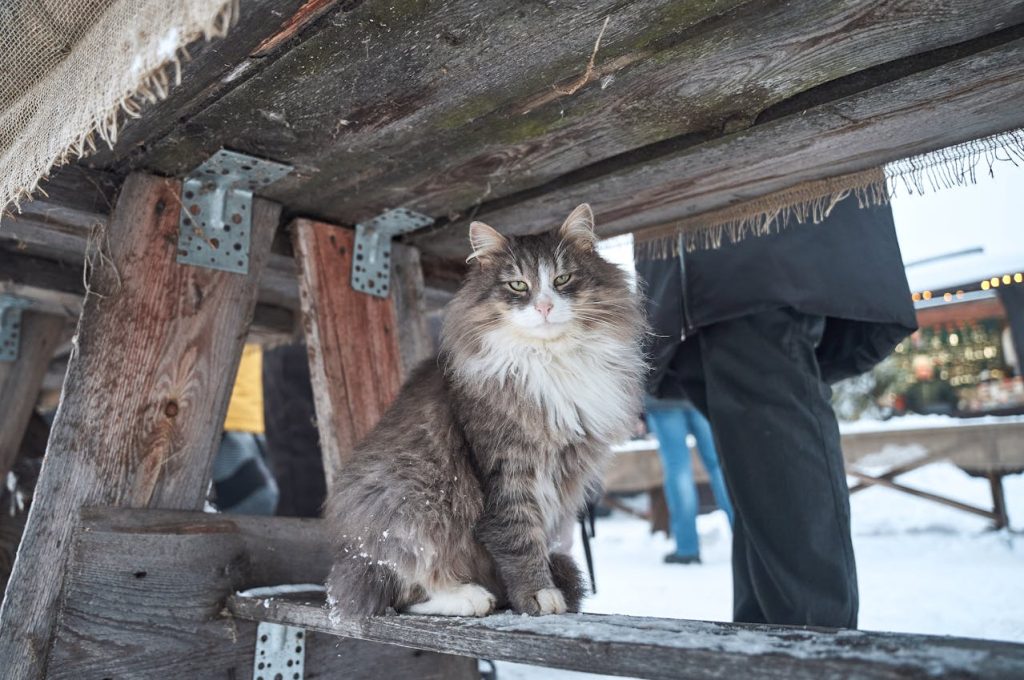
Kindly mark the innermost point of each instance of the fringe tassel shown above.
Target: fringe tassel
(151, 88)
(813, 201)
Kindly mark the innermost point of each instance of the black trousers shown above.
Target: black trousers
(757, 380)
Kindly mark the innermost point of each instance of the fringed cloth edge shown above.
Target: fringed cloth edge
(813, 200)
(35, 143)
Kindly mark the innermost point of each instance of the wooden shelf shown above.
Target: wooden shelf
(658, 648)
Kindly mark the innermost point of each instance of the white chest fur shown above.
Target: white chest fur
(583, 388)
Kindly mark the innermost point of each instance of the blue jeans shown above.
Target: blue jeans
(671, 426)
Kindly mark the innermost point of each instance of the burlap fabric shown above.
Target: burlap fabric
(70, 69)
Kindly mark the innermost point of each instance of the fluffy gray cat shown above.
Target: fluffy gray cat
(452, 504)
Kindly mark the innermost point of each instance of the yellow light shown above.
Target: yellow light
(994, 281)
(1006, 279)
(915, 297)
(1018, 278)
(985, 285)
(947, 297)
(927, 295)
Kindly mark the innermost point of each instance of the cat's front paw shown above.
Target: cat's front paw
(544, 601)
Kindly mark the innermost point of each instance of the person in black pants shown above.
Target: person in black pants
(753, 333)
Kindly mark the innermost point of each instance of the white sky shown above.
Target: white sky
(988, 215)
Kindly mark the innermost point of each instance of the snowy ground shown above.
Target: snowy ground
(923, 567)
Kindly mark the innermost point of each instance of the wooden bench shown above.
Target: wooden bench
(660, 649)
(154, 593)
(636, 468)
(988, 447)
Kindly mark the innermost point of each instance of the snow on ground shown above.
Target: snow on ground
(923, 567)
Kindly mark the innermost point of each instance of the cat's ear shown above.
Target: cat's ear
(578, 227)
(485, 241)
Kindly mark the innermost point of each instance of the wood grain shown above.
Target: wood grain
(144, 399)
(60, 235)
(963, 100)
(442, 106)
(664, 649)
(352, 339)
(21, 380)
(408, 292)
(146, 589)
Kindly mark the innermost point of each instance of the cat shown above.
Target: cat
(452, 504)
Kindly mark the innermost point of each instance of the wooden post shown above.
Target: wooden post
(407, 290)
(354, 358)
(21, 380)
(147, 387)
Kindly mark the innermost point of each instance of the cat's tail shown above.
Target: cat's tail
(362, 586)
(568, 578)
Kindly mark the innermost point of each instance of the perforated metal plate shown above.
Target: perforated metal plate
(371, 268)
(280, 652)
(10, 326)
(216, 210)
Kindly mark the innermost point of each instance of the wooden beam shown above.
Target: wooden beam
(145, 592)
(21, 380)
(65, 242)
(959, 101)
(354, 357)
(261, 31)
(144, 398)
(465, 109)
(662, 649)
(409, 294)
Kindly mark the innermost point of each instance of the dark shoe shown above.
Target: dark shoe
(676, 558)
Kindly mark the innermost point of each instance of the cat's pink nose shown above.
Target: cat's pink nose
(543, 306)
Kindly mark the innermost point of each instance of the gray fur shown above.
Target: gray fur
(471, 470)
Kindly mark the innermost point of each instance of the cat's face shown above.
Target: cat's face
(544, 287)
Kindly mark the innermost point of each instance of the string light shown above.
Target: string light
(994, 282)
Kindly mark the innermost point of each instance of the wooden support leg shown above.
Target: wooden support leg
(144, 398)
(20, 381)
(1001, 519)
(354, 359)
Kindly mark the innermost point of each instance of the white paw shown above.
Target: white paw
(481, 598)
(468, 599)
(550, 601)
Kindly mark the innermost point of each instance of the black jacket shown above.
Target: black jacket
(847, 269)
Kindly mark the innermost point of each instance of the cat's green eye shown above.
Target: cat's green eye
(563, 279)
(518, 286)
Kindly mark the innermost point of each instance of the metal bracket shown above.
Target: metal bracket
(216, 209)
(280, 652)
(10, 326)
(371, 268)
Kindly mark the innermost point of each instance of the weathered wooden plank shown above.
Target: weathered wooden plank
(21, 380)
(66, 241)
(442, 106)
(262, 29)
(146, 589)
(354, 359)
(665, 649)
(408, 293)
(144, 397)
(966, 99)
